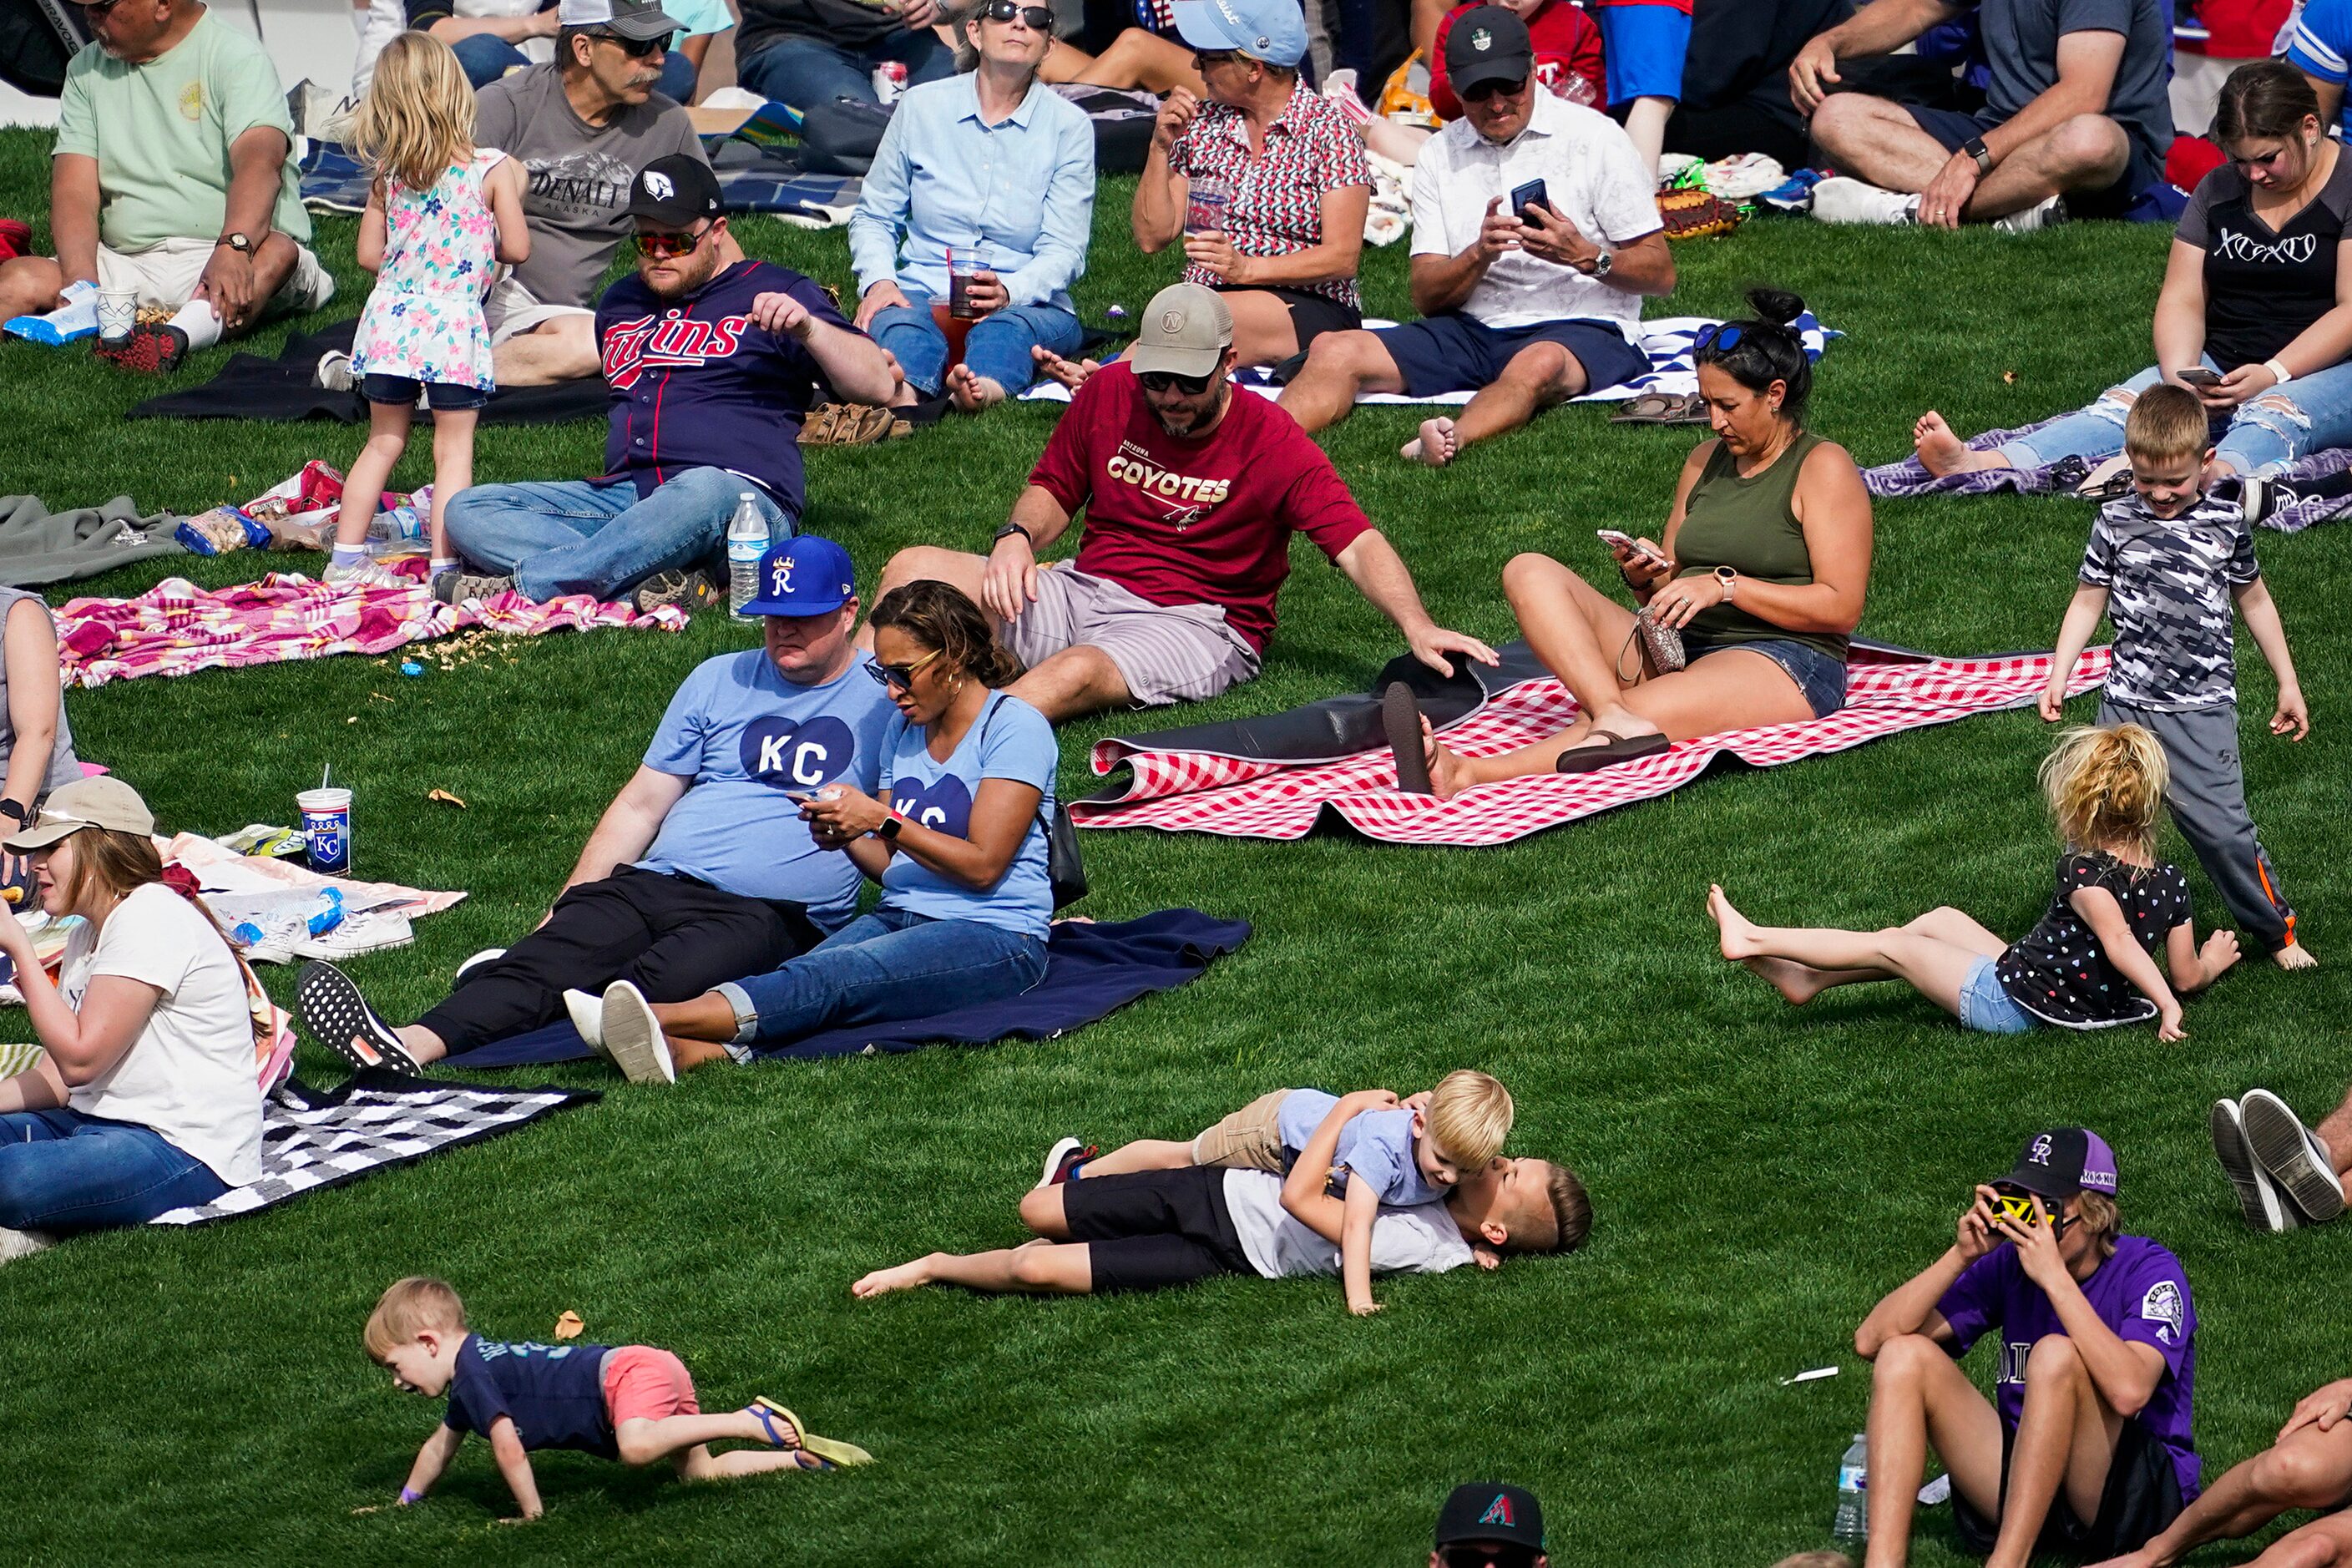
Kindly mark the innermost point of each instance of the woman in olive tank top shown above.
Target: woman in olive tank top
(1763, 573)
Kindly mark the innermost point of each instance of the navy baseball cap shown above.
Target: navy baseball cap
(2063, 1162)
(1274, 31)
(1488, 1511)
(804, 576)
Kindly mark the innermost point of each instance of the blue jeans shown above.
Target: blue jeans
(62, 1171)
(485, 60)
(569, 536)
(2294, 419)
(997, 347)
(1985, 1003)
(889, 964)
(809, 73)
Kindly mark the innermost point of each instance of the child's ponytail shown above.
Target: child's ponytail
(417, 118)
(2106, 787)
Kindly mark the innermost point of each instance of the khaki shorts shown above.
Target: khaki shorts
(166, 274)
(512, 310)
(1165, 653)
(1251, 1137)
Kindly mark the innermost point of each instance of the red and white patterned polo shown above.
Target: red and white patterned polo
(1276, 199)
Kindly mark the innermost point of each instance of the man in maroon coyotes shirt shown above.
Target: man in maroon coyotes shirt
(1191, 495)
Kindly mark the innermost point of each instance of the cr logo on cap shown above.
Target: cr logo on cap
(1171, 321)
(2040, 1155)
(659, 188)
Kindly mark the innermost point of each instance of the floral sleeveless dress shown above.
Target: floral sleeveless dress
(424, 321)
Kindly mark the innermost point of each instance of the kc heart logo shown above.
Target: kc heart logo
(945, 805)
(784, 755)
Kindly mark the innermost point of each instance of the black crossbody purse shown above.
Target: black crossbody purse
(1065, 868)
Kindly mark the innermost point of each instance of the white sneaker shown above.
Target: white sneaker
(485, 956)
(1839, 199)
(587, 1013)
(2292, 1155)
(2258, 1198)
(16, 1244)
(334, 372)
(2043, 214)
(632, 1038)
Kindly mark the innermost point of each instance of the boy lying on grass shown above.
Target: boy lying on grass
(631, 1402)
(1384, 1154)
(1148, 1230)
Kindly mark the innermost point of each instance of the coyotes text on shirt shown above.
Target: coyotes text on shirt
(1131, 465)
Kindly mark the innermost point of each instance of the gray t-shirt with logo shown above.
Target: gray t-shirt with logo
(2021, 41)
(576, 196)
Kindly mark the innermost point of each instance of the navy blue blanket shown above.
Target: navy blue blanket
(1091, 972)
(750, 179)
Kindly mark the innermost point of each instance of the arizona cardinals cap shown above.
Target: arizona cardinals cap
(674, 192)
(804, 576)
(2063, 1162)
(1487, 1511)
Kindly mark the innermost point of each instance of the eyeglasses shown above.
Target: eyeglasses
(901, 675)
(1166, 379)
(1036, 18)
(1203, 58)
(1721, 338)
(636, 48)
(1486, 89)
(1488, 1554)
(667, 247)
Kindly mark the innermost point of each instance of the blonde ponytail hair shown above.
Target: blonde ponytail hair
(418, 116)
(2106, 787)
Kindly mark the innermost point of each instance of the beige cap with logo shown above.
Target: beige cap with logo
(1185, 331)
(102, 802)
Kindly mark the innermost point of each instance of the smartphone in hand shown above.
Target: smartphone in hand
(1534, 194)
(1639, 547)
(2198, 376)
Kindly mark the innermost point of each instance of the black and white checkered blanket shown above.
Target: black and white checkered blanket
(312, 1137)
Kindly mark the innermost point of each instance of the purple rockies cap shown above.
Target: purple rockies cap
(2063, 1162)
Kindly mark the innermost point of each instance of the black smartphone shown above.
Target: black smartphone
(1531, 194)
(2198, 376)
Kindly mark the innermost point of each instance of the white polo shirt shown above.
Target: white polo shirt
(1593, 177)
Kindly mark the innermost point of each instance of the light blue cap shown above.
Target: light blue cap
(1274, 31)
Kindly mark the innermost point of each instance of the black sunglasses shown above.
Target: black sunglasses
(98, 7)
(1496, 1554)
(638, 48)
(1162, 380)
(1486, 89)
(1203, 58)
(1038, 18)
(901, 675)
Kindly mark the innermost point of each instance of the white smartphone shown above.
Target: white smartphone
(1643, 548)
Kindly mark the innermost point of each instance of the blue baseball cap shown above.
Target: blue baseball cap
(1274, 31)
(804, 576)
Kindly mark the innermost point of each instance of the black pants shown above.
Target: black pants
(670, 936)
(1149, 1230)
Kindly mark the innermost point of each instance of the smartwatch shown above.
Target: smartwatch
(1731, 581)
(889, 829)
(1975, 148)
(15, 809)
(1008, 531)
(235, 242)
(1602, 263)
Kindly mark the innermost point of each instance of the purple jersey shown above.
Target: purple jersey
(2141, 1293)
(695, 382)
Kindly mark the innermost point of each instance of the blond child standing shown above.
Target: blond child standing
(442, 214)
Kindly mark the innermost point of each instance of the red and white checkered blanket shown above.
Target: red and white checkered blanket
(178, 629)
(1189, 792)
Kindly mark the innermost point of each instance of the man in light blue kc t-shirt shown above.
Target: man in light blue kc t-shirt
(702, 868)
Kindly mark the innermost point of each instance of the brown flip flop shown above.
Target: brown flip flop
(1401, 719)
(1652, 408)
(1615, 748)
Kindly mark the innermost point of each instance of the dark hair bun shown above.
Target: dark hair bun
(1775, 305)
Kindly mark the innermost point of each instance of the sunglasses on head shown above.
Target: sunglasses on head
(1168, 380)
(665, 246)
(1496, 1555)
(1036, 18)
(638, 48)
(1721, 338)
(901, 675)
(1486, 89)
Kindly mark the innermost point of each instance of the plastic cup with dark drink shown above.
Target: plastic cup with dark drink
(961, 271)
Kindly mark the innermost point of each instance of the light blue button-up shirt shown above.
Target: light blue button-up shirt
(1019, 194)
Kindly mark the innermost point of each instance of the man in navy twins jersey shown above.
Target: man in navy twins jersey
(701, 870)
(713, 360)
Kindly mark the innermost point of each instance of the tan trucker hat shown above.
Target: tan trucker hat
(1185, 331)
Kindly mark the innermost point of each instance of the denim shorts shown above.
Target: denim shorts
(446, 396)
(1985, 1006)
(1821, 677)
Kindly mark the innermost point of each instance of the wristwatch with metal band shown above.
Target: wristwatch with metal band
(1975, 148)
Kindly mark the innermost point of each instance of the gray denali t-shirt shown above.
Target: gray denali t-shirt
(576, 196)
(2021, 40)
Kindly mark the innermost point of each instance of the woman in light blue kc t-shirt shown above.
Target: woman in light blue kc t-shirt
(957, 839)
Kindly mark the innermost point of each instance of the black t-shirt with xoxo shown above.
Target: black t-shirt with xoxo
(2264, 286)
(2060, 973)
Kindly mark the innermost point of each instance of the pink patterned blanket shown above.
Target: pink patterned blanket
(1190, 792)
(178, 629)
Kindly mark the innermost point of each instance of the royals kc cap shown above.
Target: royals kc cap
(804, 576)
(1185, 331)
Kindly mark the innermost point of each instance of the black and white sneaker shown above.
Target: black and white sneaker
(1059, 1160)
(2292, 1155)
(2258, 1200)
(488, 955)
(334, 1013)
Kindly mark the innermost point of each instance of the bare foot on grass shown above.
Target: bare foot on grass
(1435, 446)
(1943, 452)
(972, 393)
(1737, 934)
(2295, 955)
(882, 1281)
(1071, 374)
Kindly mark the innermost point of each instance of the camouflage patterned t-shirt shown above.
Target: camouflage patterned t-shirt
(2168, 581)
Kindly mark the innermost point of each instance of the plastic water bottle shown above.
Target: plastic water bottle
(282, 919)
(1852, 1521)
(747, 541)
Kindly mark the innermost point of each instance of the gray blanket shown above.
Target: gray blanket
(37, 545)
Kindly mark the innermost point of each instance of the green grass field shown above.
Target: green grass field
(1760, 1176)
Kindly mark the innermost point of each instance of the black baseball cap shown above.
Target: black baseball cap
(1488, 1511)
(674, 192)
(2063, 1162)
(1488, 44)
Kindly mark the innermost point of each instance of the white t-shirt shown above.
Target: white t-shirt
(1592, 176)
(190, 1075)
(1419, 1240)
